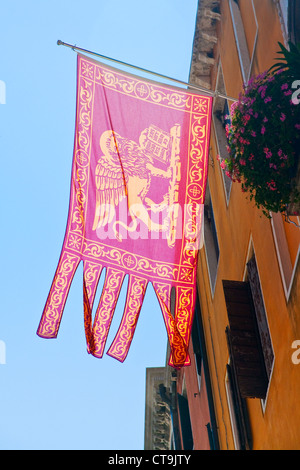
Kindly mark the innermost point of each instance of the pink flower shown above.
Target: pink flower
(223, 165)
(265, 119)
(253, 133)
(268, 152)
(288, 93)
(272, 185)
(263, 130)
(243, 162)
(268, 99)
(282, 117)
(297, 126)
(285, 86)
(262, 90)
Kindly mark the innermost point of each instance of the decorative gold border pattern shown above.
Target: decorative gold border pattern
(58, 294)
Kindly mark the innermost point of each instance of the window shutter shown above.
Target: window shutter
(240, 412)
(185, 420)
(261, 318)
(244, 341)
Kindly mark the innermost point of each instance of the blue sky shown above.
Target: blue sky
(53, 395)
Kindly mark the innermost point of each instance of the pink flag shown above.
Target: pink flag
(138, 185)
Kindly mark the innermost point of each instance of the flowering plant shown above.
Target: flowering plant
(264, 140)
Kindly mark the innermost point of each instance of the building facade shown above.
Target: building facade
(241, 391)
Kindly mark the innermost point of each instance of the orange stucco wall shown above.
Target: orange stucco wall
(241, 228)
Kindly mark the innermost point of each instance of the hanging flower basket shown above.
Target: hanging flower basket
(264, 140)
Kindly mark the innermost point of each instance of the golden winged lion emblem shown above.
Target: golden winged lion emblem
(125, 170)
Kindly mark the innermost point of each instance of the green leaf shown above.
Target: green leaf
(290, 61)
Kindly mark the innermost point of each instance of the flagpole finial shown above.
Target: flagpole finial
(59, 42)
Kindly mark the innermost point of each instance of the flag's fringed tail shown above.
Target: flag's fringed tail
(97, 330)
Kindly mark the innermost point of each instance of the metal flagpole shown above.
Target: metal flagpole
(191, 85)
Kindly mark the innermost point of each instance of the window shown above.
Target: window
(251, 356)
(211, 240)
(248, 335)
(243, 344)
(289, 15)
(294, 21)
(284, 5)
(185, 421)
(244, 15)
(220, 119)
(240, 39)
(197, 347)
(287, 243)
(260, 315)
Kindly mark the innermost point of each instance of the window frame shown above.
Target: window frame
(238, 412)
(219, 129)
(287, 269)
(240, 40)
(211, 239)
